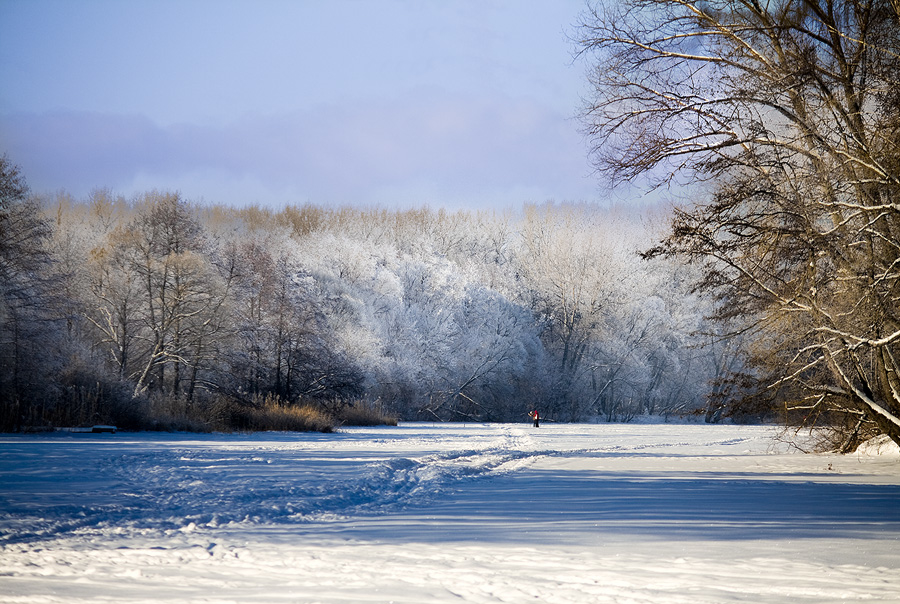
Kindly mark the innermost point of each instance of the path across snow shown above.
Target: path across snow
(446, 513)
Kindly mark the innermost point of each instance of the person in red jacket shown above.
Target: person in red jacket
(536, 417)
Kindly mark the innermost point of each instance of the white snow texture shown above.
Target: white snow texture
(447, 513)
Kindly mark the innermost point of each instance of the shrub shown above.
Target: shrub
(84, 396)
(289, 418)
(361, 413)
(269, 414)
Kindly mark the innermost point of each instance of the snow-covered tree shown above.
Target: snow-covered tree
(788, 114)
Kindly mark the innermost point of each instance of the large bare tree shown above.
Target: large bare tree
(27, 303)
(785, 115)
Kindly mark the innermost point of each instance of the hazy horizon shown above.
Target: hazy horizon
(393, 104)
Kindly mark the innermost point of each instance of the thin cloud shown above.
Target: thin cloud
(454, 150)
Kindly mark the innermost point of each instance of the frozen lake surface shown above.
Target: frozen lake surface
(446, 513)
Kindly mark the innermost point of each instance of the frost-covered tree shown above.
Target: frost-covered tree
(571, 287)
(282, 345)
(199, 312)
(607, 320)
(160, 296)
(789, 112)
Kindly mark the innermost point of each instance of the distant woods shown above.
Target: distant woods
(155, 312)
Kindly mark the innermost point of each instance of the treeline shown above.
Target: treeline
(156, 311)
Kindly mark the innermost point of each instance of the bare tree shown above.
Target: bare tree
(789, 112)
(27, 301)
(176, 293)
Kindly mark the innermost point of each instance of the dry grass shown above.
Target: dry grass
(264, 414)
(364, 414)
(273, 416)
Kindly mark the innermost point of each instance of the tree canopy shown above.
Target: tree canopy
(785, 116)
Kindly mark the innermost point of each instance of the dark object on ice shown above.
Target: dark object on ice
(98, 429)
(536, 417)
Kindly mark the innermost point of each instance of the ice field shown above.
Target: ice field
(447, 513)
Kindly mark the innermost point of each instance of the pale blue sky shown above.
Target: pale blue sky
(455, 103)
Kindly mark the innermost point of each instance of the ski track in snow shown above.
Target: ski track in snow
(182, 489)
(176, 488)
(410, 514)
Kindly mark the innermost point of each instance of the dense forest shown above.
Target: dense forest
(155, 311)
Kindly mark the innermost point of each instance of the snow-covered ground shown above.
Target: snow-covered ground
(446, 513)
